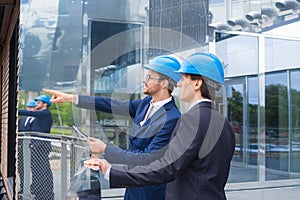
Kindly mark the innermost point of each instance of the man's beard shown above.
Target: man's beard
(145, 91)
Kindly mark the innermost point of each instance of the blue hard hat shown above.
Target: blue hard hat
(166, 65)
(44, 98)
(31, 104)
(204, 64)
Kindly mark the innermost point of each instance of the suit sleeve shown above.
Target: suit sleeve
(152, 151)
(38, 113)
(182, 149)
(117, 155)
(109, 105)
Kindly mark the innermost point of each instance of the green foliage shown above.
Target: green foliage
(276, 106)
(59, 131)
(21, 105)
(62, 112)
(235, 107)
(121, 96)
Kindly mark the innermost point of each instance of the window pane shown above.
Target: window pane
(277, 149)
(252, 110)
(240, 55)
(295, 121)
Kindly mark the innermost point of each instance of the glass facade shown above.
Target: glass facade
(100, 48)
(294, 120)
(240, 56)
(276, 143)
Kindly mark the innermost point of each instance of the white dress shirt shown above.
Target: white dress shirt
(153, 108)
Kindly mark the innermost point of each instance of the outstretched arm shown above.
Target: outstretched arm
(60, 97)
(126, 108)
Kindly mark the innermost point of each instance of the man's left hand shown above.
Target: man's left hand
(96, 145)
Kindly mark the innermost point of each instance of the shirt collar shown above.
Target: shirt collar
(198, 101)
(161, 103)
(156, 106)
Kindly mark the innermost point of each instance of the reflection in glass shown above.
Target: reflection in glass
(277, 143)
(235, 99)
(295, 121)
(242, 102)
(239, 54)
(252, 124)
(115, 54)
(281, 53)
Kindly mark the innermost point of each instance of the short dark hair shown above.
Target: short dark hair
(48, 106)
(206, 91)
(172, 83)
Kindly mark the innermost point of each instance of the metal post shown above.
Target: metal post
(26, 163)
(64, 168)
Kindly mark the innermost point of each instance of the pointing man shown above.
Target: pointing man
(197, 161)
(155, 117)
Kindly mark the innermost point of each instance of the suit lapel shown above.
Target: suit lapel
(159, 115)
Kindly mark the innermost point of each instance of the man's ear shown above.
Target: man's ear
(198, 84)
(165, 83)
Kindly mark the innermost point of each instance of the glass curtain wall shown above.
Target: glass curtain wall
(282, 98)
(277, 139)
(251, 118)
(239, 54)
(282, 124)
(275, 146)
(112, 33)
(295, 120)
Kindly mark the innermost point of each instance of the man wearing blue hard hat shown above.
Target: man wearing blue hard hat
(155, 117)
(197, 161)
(24, 125)
(42, 176)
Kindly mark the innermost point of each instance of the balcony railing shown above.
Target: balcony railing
(67, 177)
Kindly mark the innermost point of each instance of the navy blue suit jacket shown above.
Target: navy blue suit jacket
(22, 127)
(196, 163)
(42, 122)
(152, 136)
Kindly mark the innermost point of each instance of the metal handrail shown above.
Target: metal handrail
(68, 146)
